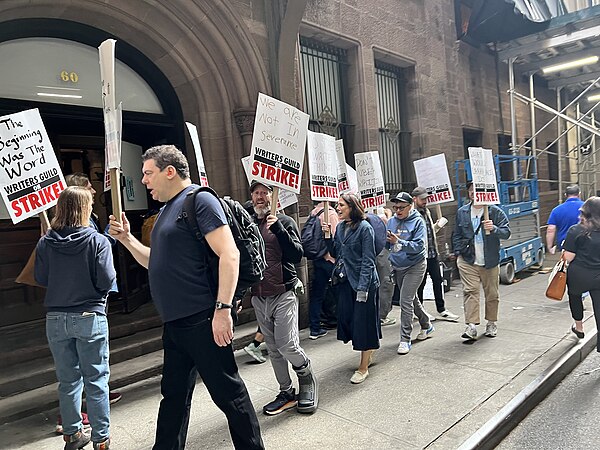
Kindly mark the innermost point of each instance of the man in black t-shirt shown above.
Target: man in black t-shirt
(198, 327)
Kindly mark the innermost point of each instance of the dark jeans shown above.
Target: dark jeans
(320, 281)
(189, 349)
(433, 269)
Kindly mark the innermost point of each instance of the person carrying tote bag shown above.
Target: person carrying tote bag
(557, 282)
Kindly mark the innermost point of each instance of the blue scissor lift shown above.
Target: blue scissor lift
(519, 199)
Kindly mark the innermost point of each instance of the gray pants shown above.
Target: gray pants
(277, 316)
(386, 286)
(408, 280)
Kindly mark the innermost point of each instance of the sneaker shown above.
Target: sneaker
(104, 445)
(447, 315)
(470, 333)
(283, 402)
(319, 334)
(77, 440)
(404, 348)
(262, 346)
(114, 397)
(255, 352)
(388, 321)
(359, 377)
(84, 420)
(491, 329)
(425, 333)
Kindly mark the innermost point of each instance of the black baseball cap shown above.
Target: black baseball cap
(255, 183)
(404, 197)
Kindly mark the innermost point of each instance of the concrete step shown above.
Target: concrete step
(134, 359)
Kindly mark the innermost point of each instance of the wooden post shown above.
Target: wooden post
(274, 200)
(486, 216)
(326, 220)
(438, 211)
(44, 222)
(115, 193)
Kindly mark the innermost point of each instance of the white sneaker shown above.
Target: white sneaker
(404, 348)
(425, 333)
(447, 315)
(255, 352)
(388, 321)
(470, 333)
(491, 329)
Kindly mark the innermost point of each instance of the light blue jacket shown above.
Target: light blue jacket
(412, 241)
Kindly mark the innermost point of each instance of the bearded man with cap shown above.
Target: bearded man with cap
(420, 198)
(407, 238)
(276, 306)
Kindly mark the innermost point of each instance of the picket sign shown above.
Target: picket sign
(198, 152)
(370, 180)
(483, 171)
(432, 174)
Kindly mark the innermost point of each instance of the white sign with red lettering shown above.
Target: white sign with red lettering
(322, 162)
(343, 183)
(483, 171)
(198, 152)
(432, 174)
(30, 177)
(370, 179)
(278, 142)
(286, 198)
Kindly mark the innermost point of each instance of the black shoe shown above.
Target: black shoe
(579, 334)
(77, 441)
(283, 402)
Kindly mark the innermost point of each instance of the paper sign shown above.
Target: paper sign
(278, 141)
(352, 180)
(432, 174)
(30, 176)
(198, 152)
(370, 179)
(286, 198)
(343, 184)
(483, 172)
(322, 162)
(109, 105)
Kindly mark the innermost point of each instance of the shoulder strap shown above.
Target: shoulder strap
(189, 209)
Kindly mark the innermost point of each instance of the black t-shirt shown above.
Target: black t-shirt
(179, 280)
(585, 247)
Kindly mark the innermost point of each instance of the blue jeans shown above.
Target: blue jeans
(321, 273)
(79, 346)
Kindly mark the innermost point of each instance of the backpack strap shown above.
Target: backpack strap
(188, 211)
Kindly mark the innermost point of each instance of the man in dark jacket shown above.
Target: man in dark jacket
(276, 306)
(478, 261)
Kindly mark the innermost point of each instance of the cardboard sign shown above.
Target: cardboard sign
(483, 171)
(343, 184)
(278, 141)
(322, 162)
(432, 174)
(370, 179)
(198, 152)
(352, 180)
(30, 177)
(286, 198)
(109, 105)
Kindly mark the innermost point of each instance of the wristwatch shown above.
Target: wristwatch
(221, 305)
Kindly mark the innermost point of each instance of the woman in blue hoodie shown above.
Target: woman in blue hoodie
(357, 290)
(74, 262)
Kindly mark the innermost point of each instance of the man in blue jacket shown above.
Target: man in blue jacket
(478, 260)
(407, 237)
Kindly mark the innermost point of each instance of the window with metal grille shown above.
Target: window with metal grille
(394, 139)
(323, 78)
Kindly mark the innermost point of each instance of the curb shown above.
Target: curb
(505, 420)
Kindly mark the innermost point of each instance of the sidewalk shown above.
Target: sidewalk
(435, 397)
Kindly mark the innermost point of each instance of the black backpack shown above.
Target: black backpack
(313, 240)
(246, 234)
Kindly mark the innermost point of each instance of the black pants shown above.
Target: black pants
(433, 269)
(579, 280)
(189, 349)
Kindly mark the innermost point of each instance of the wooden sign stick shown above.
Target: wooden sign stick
(115, 193)
(274, 200)
(438, 211)
(44, 222)
(326, 220)
(486, 216)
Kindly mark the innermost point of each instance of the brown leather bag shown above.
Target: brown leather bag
(26, 276)
(557, 283)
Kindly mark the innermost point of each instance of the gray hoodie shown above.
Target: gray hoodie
(76, 265)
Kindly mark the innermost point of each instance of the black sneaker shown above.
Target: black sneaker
(77, 441)
(283, 402)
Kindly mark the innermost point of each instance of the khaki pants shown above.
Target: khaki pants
(472, 277)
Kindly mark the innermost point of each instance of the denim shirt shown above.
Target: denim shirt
(357, 250)
(463, 233)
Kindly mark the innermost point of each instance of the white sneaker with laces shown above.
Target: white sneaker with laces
(491, 329)
(470, 332)
(425, 333)
(447, 315)
(404, 348)
(255, 352)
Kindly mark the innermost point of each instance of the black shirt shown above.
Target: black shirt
(586, 247)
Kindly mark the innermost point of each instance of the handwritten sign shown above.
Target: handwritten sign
(483, 171)
(286, 198)
(109, 105)
(198, 152)
(432, 174)
(322, 162)
(278, 141)
(352, 180)
(30, 177)
(342, 172)
(370, 179)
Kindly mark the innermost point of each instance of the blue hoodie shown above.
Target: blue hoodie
(76, 265)
(412, 233)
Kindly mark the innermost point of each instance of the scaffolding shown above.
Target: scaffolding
(571, 37)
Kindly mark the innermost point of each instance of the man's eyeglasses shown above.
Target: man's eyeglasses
(400, 208)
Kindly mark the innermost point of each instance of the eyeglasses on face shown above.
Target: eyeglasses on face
(400, 208)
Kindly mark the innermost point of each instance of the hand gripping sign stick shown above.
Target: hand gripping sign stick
(111, 123)
(483, 171)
